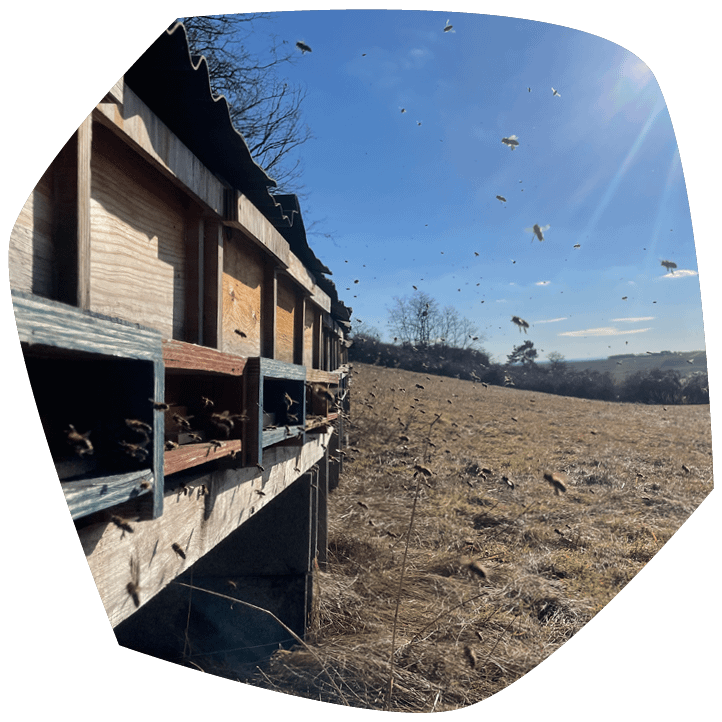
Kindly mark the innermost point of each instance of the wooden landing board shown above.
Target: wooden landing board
(194, 520)
(191, 455)
(91, 495)
(189, 356)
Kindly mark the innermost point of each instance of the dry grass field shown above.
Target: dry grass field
(448, 546)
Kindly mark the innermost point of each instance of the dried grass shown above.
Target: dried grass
(553, 561)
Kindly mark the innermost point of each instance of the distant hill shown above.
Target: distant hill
(622, 365)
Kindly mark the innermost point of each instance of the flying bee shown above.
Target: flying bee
(133, 586)
(159, 405)
(215, 443)
(140, 426)
(502, 199)
(196, 437)
(556, 92)
(182, 421)
(669, 265)
(260, 493)
(556, 481)
(577, 245)
(260, 467)
(476, 567)
(79, 441)
(207, 403)
(135, 451)
(121, 523)
(520, 322)
(512, 141)
(538, 231)
(448, 28)
(170, 445)
(303, 47)
(288, 400)
(239, 332)
(470, 656)
(177, 549)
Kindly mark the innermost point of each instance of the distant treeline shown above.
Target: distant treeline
(653, 386)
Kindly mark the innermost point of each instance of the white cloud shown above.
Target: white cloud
(680, 273)
(553, 320)
(604, 331)
(634, 320)
(542, 283)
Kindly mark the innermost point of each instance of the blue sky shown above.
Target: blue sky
(410, 197)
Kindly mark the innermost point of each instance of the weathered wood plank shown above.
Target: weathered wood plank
(213, 283)
(82, 215)
(243, 273)
(244, 216)
(50, 323)
(269, 293)
(180, 355)
(279, 369)
(274, 436)
(137, 124)
(87, 496)
(195, 521)
(137, 259)
(194, 278)
(285, 320)
(317, 376)
(190, 455)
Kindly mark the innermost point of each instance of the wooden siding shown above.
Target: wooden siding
(285, 315)
(243, 271)
(31, 244)
(137, 258)
(308, 335)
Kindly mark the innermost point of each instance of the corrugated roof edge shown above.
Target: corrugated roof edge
(177, 88)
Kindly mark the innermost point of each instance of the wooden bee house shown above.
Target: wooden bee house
(171, 316)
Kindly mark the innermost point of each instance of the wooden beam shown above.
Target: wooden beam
(179, 355)
(194, 277)
(299, 318)
(85, 139)
(194, 520)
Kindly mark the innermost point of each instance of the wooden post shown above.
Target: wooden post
(212, 283)
(71, 219)
(269, 299)
(299, 322)
(194, 277)
(322, 520)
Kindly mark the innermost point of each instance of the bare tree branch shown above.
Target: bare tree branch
(265, 109)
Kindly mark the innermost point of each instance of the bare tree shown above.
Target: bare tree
(265, 109)
(412, 319)
(419, 320)
(455, 330)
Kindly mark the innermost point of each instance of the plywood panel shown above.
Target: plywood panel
(308, 336)
(137, 259)
(31, 246)
(242, 287)
(285, 315)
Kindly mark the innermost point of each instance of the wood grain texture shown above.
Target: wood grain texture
(180, 355)
(91, 495)
(308, 337)
(31, 244)
(195, 520)
(285, 323)
(192, 455)
(243, 272)
(137, 258)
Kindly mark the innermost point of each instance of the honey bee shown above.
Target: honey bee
(260, 493)
(239, 332)
(476, 567)
(538, 231)
(303, 47)
(520, 322)
(215, 443)
(471, 656)
(177, 549)
(512, 141)
(502, 199)
(133, 586)
(260, 467)
(140, 426)
(556, 481)
(183, 422)
(79, 441)
(207, 403)
(121, 523)
(135, 451)
(159, 405)
(170, 445)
